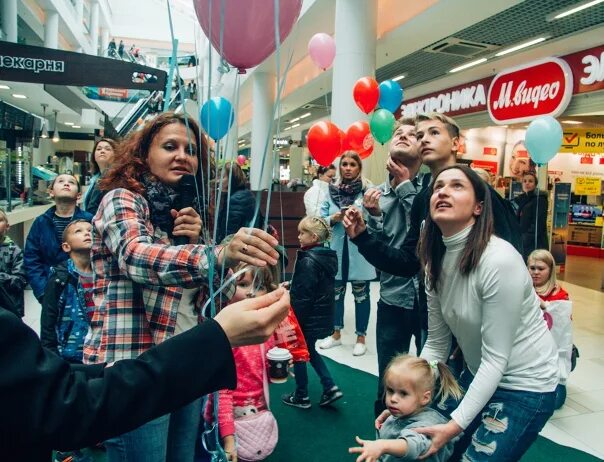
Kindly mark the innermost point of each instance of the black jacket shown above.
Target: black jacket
(531, 219)
(48, 404)
(404, 261)
(313, 291)
(241, 207)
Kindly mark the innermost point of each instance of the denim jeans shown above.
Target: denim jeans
(316, 361)
(393, 330)
(506, 427)
(362, 305)
(169, 438)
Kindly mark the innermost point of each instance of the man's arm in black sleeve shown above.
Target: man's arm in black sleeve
(47, 404)
(399, 262)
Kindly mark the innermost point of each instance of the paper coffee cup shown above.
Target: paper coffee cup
(278, 363)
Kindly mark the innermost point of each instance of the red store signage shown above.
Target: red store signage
(535, 89)
(586, 75)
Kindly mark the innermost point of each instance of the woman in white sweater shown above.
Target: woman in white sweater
(479, 291)
(317, 193)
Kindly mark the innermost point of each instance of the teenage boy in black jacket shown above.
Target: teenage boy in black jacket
(48, 404)
(438, 137)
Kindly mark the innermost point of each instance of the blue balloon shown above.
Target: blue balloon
(391, 95)
(543, 139)
(217, 117)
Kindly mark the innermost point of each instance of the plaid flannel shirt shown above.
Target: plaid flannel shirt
(138, 279)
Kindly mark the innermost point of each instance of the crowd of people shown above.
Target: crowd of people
(128, 347)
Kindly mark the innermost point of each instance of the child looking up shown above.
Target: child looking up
(409, 385)
(68, 296)
(313, 300)
(12, 271)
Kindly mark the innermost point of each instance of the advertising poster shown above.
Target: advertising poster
(560, 208)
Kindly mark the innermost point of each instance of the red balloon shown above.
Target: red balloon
(241, 159)
(324, 142)
(366, 94)
(359, 139)
(245, 36)
(344, 146)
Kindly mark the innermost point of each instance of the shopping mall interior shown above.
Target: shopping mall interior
(75, 71)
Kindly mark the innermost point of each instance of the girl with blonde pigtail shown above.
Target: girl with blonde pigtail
(409, 386)
(312, 296)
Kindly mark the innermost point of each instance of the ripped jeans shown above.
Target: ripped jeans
(362, 303)
(506, 427)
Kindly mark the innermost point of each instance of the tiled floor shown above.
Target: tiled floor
(580, 421)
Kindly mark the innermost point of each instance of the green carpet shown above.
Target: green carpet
(324, 434)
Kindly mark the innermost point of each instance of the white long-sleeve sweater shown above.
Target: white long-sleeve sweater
(314, 197)
(494, 314)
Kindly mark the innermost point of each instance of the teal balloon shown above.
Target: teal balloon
(217, 117)
(543, 139)
(391, 95)
(382, 125)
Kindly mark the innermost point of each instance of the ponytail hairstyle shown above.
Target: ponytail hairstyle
(317, 226)
(425, 374)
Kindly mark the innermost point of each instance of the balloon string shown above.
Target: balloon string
(537, 206)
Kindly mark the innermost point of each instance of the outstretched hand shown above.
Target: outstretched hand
(353, 222)
(369, 450)
(253, 320)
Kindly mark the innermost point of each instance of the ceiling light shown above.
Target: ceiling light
(4, 87)
(76, 126)
(55, 136)
(470, 64)
(572, 122)
(68, 123)
(572, 10)
(44, 132)
(294, 126)
(522, 45)
(303, 116)
(398, 77)
(19, 96)
(294, 120)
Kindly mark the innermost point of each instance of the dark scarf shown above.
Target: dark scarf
(162, 198)
(344, 194)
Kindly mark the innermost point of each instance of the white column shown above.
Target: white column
(9, 20)
(104, 41)
(94, 27)
(355, 34)
(51, 30)
(79, 6)
(263, 97)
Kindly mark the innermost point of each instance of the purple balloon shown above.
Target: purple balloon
(248, 35)
(322, 50)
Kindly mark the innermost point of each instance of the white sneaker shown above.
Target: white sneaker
(329, 342)
(359, 349)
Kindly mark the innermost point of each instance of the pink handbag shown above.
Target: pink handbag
(257, 434)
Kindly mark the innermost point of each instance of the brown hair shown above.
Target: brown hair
(448, 122)
(67, 230)
(431, 249)
(133, 152)
(233, 171)
(426, 374)
(94, 166)
(405, 121)
(52, 183)
(265, 277)
(533, 174)
(321, 170)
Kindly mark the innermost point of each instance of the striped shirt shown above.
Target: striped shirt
(139, 279)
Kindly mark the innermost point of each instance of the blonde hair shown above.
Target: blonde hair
(426, 374)
(448, 122)
(317, 226)
(547, 258)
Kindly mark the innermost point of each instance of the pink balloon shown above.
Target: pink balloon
(241, 159)
(248, 31)
(322, 50)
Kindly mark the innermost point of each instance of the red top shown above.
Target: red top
(557, 294)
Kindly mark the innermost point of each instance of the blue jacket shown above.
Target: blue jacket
(64, 321)
(43, 250)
